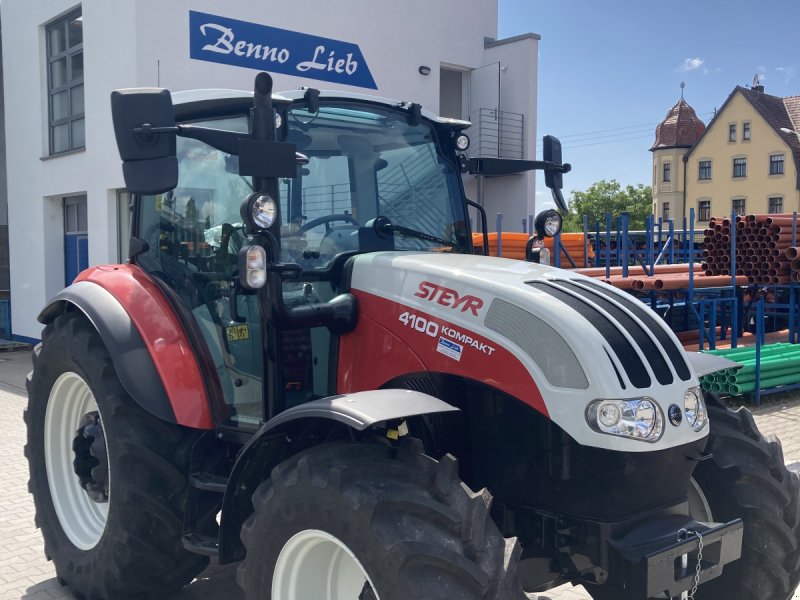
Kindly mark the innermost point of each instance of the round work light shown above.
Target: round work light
(462, 142)
(548, 223)
(259, 210)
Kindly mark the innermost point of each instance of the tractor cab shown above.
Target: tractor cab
(280, 191)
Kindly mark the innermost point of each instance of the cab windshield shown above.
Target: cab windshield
(365, 163)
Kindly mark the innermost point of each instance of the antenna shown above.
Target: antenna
(756, 80)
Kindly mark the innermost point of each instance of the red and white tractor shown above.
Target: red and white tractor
(305, 366)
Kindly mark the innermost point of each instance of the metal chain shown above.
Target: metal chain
(685, 534)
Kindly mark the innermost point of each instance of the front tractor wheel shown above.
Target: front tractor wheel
(108, 479)
(368, 522)
(746, 478)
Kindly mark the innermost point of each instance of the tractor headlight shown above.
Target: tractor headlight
(695, 408)
(638, 418)
(259, 210)
(462, 142)
(252, 267)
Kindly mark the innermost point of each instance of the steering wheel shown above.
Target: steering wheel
(325, 220)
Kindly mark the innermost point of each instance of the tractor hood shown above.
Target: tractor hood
(554, 339)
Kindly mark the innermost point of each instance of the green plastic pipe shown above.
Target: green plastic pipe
(741, 349)
(769, 364)
(750, 353)
(786, 352)
(791, 371)
(765, 383)
(766, 350)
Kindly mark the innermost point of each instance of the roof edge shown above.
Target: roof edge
(654, 148)
(492, 43)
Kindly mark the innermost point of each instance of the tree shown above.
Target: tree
(609, 197)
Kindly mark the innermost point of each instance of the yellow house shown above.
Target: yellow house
(747, 159)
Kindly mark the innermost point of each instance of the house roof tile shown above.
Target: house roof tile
(680, 129)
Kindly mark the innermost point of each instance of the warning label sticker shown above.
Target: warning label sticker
(449, 349)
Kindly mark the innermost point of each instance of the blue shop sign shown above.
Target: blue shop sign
(242, 44)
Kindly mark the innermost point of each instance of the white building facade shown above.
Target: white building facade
(67, 207)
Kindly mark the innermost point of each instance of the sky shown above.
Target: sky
(610, 70)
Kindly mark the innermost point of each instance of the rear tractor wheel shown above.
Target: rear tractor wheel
(366, 522)
(108, 479)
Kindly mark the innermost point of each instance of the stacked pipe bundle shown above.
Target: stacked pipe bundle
(665, 277)
(763, 248)
(793, 254)
(513, 246)
(780, 365)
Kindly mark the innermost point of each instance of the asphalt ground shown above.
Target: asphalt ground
(26, 574)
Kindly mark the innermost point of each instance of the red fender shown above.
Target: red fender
(169, 347)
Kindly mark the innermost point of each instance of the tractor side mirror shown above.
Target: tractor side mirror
(553, 172)
(144, 125)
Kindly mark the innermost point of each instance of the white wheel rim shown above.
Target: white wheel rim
(315, 564)
(699, 508)
(82, 519)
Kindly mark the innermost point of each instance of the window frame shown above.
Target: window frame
(703, 208)
(746, 131)
(702, 167)
(779, 170)
(666, 172)
(731, 132)
(779, 200)
(744, 205)
(742, 164)
(665, 211)
(70, 83)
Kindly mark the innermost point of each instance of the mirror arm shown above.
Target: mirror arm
(146, 131)
(504, 166)
(558, 198)
(226, 141)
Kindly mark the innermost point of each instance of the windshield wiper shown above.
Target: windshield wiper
(384, 228)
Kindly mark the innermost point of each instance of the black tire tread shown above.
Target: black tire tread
(747, 478)
(145, 558)
(476, 560)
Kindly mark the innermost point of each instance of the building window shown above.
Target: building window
(732, 132)
(704, 210)
(776, 164)
(740, 167)
(665, 211)
(666, 171)
(737, 205)
(746, 132)
(705, 169)
(76, 237)
(775, 205)
(65, 83)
